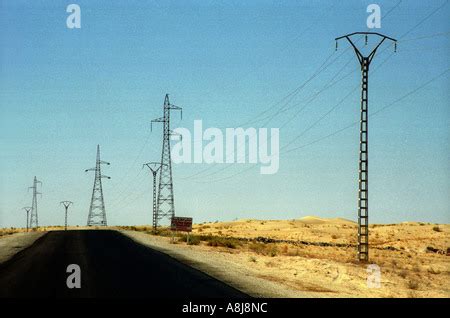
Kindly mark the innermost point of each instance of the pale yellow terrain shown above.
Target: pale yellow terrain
(412, 256)
(315, 257)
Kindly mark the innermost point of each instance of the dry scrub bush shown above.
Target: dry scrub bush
(403, 274)
(437, 229)
(413, 284)
(264, 249)
(193, 239)
(222, 241)
(434, 271)
(270, 264)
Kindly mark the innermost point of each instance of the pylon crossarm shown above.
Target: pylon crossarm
(366, 33)
(90, 169)
(173, 133)
(27, 209)
(103, 176)
(372, 54)
(157, 120)
(358, 53)
(174, 107)
(36, 191)
(66, 203)
(104, 162)
(153, 166)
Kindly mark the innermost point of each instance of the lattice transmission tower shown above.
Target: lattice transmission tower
(97, 212)
(363, 182)
(34, 206)
(165, 203)
(154, 168)
(27, 210)
(66, 205)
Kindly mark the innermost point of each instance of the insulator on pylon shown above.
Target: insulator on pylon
(336, 45)
(395, 47)
(366, 40)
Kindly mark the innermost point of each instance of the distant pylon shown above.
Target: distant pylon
(165, 202)
(363, 183)
(66, 207)
(34, 214)
(27, 209)
(97, 213)
(154, 168)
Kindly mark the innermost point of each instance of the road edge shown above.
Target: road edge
(249, 285)
(16, 243)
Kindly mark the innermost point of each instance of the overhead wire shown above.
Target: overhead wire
(402, 36)
(283, 108)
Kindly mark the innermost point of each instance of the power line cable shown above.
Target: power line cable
(402, 36)
(412, 92)
(371, 114)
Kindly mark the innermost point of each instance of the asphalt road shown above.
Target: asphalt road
(112, 265)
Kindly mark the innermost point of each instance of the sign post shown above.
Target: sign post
(183, 224)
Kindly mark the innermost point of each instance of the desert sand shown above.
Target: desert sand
(320, 255)
(315, 257)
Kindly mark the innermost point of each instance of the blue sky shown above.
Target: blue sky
(63, 91)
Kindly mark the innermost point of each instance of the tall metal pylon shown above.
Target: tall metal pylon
(154, 168)
(27, 209)
(97, 212)
(34, 211)
(66, 207)
(165, 202)
(363, 183)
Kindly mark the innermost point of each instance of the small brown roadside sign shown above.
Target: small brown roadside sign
(182, 224)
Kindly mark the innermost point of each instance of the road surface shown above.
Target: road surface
(112, 265)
